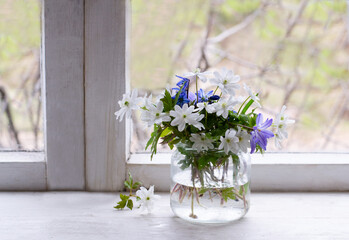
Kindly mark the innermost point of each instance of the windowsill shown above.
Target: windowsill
(270, 172)
(22, 171)
(83, 215)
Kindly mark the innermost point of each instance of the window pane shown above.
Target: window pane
(20, 86)
(291, 52)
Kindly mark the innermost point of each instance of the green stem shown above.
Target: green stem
(242, 105)
(215, 90)
(250, 128)
(205, 117)
(197, 92)
(238, 124)
(192, 203)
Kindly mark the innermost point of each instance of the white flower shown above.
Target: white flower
(226, 81)
(223, 106)
(127, 104)
(229, 142)
(278, 141)
(209, 107)
(186, 115)
(252, 95)
(197, 73)
(147, 198)
(244, 139)
(201, 142)
(154, 114)
(146, 101)
(280, 126)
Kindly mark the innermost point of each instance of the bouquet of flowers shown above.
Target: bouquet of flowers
(208, 127)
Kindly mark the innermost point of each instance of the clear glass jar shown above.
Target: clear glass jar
(210, 187)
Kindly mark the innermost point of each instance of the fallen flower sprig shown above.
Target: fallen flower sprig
(145, 196)
(126, 201)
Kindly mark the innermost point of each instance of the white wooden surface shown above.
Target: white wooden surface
(105, 82)
(22, 171)
(81, 215)
(63, 88)
(271, 172)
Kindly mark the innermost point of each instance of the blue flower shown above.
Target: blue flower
(191, 96)
(260, 134)
(184, 82)
(214, 97)
(184, 95)
(182, 100)
(202, 96)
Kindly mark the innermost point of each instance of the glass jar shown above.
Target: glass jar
(210, 186)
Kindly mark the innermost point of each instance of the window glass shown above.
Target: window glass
(292, 52)
(20, 86)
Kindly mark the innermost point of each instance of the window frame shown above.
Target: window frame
(61, 165)
(85, 148)
(85, 56)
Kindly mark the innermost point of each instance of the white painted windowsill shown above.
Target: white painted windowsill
(83, 215)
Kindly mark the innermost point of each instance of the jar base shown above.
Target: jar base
(219, 215)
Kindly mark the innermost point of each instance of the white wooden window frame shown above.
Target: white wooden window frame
(84, 73)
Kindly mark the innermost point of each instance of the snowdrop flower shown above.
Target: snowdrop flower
(252, 96)
(186, 115)
(223, 106)
(127, 104)
(281, 123)
(154, 115)
(229, 142)
(201, 142)
(197, 74)
(226, 81)
(244, 140)
(147, 198)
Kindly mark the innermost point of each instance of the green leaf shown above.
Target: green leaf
(130, 177)
(130, 184)
(244, 187)
(178, 93)
(155, 141)
(121, 204)
(258, 148)
(203, 190)
(130, 204)
(228, 193)
(248, 105)
(166, 131)
(127, 185)
(152, 136)
(173, 142)
(124, 197)
(167, 101)
(136, 185)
